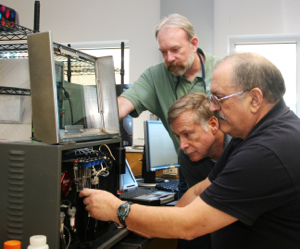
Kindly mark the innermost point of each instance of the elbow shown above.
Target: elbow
(192, 232)
(191, 236)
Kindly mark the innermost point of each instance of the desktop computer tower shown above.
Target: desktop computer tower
(39, 191)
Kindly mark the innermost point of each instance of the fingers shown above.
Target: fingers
(86, 192)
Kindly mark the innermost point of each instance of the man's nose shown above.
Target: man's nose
(183, 145)
(213, 107)
(170, 57)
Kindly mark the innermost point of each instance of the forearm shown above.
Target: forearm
(192, 193)
(162, 222)
(187, 198)
(191, 221)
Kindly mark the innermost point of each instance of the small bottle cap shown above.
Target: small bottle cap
(38, 240)
(12, 244)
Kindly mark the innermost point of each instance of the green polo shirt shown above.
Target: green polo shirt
(155, 90)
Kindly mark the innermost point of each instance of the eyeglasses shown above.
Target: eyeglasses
(216, 101)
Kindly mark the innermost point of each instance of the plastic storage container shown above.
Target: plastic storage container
(38, 242)
(12, 244)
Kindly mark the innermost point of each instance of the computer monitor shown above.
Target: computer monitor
(159, 149)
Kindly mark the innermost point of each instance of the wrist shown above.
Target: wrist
(123, 212)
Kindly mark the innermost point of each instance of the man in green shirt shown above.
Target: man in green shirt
(181, 72)
(186, 69)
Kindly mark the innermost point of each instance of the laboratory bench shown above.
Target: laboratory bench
(122, 238)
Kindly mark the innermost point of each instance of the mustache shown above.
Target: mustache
(176, 68)
(220, 115)
(187, 152)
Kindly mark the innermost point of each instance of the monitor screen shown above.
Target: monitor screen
(159, 149)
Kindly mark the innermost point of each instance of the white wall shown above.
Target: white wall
(251, 17)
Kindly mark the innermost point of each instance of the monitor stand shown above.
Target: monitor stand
(152, 184)
(149, 177)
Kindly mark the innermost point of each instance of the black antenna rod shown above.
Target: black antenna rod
(122, 71)
(36, 22)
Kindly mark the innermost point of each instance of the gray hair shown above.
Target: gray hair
(196, 102)
(177, 21)
(251, 70)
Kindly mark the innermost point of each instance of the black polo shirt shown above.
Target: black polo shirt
(257, 180)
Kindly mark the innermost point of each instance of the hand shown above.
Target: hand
(100, 204)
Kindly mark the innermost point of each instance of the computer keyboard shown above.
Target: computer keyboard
(168, 186)
(136, 192)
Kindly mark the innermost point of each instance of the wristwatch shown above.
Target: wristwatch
(123, 211)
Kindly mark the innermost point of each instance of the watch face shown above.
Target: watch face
(122, 210)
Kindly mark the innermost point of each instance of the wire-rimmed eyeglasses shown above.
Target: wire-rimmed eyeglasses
(216, 101)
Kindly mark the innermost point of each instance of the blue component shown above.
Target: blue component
(84, 164)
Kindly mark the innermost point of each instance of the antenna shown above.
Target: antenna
(36, 21)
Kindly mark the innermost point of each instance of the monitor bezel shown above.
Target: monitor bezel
(147, 123)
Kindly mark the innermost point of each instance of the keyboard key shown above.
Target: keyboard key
(168, 186)
(137, 192)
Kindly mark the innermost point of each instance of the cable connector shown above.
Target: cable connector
(72, 213)
(62, 218)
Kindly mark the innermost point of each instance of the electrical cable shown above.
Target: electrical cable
(108, 150)
(69, 242)
(67, 95)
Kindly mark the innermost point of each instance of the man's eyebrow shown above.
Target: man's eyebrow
(183, 131)
(216, 93)
(173, 47)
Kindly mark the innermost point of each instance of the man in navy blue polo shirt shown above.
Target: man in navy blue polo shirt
(257, 178)
(251, 199)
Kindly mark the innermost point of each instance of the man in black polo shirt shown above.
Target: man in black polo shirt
(251, 198)
(257, 178)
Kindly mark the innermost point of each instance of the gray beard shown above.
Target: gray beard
(179, 69)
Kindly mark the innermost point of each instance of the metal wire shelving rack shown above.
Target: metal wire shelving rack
(12, 46)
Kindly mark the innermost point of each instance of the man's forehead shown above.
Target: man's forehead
(185, 123)
(171, 35)
(221, 79)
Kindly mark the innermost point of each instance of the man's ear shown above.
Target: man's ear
(256, 99)
(214, 124)
(194, 42)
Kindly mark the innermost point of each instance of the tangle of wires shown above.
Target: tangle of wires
(100, 161)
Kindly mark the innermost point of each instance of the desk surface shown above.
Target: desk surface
(134, 241)
(134, 149)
